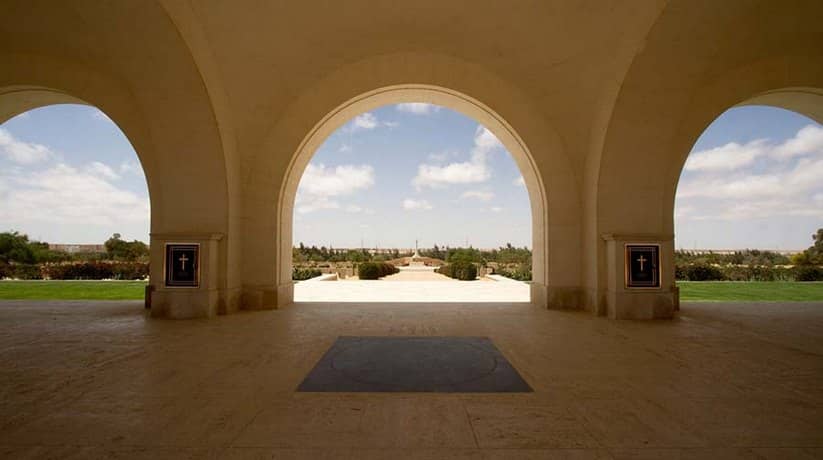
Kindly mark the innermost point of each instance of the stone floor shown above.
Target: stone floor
(100, 380)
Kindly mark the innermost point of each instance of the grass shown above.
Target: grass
(750, 291)
(72, 290)
(703, 291)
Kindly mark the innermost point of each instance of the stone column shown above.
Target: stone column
(185, 302)
(643, 302)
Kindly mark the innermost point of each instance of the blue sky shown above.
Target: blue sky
(416, 171)
(69, 175)
(754, 179)
(412, 172)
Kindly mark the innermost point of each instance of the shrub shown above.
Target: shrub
(25, 272)
(375, 270)
(79, 271)
(808, 273)
(96, 270)
(130, 270)
(300, 274)
(368, 271)
(461, 270)
(386, 269)
(521, 273)
(445, 270)
(702, 272)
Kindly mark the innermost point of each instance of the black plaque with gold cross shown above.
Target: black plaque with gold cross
(642, 266)
(182, 265)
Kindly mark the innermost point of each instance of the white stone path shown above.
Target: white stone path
(396, 289)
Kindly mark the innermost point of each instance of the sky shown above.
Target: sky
(754, 179)
(410, 172)
(69, 175)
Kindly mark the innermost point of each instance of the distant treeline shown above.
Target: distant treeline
(752, 265)
(504, 255)
(22, 258)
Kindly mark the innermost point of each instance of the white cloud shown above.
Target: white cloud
(496, 209)
(130, 167)
(727, 157)
(759, 179)
(23, 152)
(473, 171)
(320, 184)
(411, 204)
(732, 156)
(345, 148)
(365, 121)
(455, 173)
(519, 182)
(64, 195)
(368, 121)
(809, 140)
(341, 180)
(99, 169)
(418, 108)
(443, 156)
(477, 195)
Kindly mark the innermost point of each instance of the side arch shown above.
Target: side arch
(187, 205)
(674, 89)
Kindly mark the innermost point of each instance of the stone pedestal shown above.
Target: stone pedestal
(186, 302)
(626, 302)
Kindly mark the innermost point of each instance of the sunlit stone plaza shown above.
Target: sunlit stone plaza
(414, 286)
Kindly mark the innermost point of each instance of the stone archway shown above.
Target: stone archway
(413, 93)
(651, 156)
(189, 207)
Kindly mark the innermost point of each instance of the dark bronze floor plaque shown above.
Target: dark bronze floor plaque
(414, 364)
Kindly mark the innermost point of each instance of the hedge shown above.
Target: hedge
(464, 271)
(300, 274)
(521, 273)
(77, 271)
(709, 272)
(808, 273)
(20, 271)
(375, 270)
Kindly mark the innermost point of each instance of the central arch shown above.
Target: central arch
(436, 95)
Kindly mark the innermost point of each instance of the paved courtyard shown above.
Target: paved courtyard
(413, 286)
(100, 380)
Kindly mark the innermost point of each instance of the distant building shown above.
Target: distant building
(78, 248)
(784, 252)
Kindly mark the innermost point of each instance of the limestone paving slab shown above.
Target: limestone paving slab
(102, 380)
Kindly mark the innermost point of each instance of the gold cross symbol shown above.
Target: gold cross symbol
(642, 260)
(183, 260)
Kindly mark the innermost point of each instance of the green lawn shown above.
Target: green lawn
(705, 291)
(72, 290)
(754, 291)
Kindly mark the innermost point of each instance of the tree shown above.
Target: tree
(117, 248)
(814, 254)
(15, 247)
